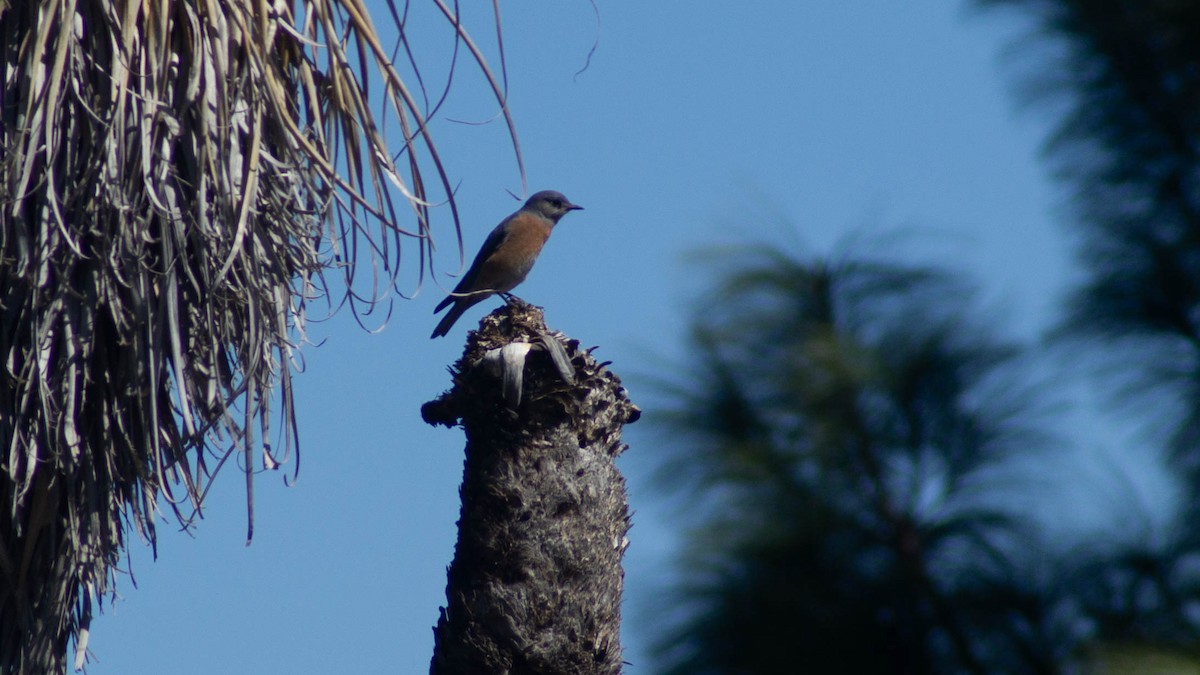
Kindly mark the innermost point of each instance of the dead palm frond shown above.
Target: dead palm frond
(179, 176)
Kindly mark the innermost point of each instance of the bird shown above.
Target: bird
(506, 256)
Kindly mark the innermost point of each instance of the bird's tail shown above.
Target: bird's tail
(443, 327)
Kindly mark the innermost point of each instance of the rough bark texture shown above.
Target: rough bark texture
(535, 586)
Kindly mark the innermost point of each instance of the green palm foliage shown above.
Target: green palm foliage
(1126, 86)
(841, 422)
(178, 176)
(844, 420)
(1128, 147)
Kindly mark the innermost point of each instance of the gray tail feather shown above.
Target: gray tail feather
(443, 327)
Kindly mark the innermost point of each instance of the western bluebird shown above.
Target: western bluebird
(506, 256)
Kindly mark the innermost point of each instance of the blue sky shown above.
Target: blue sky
(695, 124)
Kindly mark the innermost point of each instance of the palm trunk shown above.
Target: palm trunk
(535, 586)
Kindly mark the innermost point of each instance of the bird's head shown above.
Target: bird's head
(551, 204)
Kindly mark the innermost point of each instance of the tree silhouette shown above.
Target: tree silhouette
(1128, 147)
(842, 418)
(843, 422)
(1127, 81)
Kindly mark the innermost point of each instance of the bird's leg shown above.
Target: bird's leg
(511, 300)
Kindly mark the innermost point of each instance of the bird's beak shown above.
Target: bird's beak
(574, 207)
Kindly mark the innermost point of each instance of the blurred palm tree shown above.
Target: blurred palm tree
(1126, 81)
(842, 421)
(842, 418)
(178, 179)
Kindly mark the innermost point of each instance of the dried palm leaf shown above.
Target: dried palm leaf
(179, 176)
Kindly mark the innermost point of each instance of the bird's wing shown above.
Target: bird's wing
(467, 283)
(490, 245)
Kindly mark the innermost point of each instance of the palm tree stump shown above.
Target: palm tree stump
(535, 586)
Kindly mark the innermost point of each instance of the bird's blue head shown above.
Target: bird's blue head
(551, 204)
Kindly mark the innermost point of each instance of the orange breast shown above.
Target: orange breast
(511, 262)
